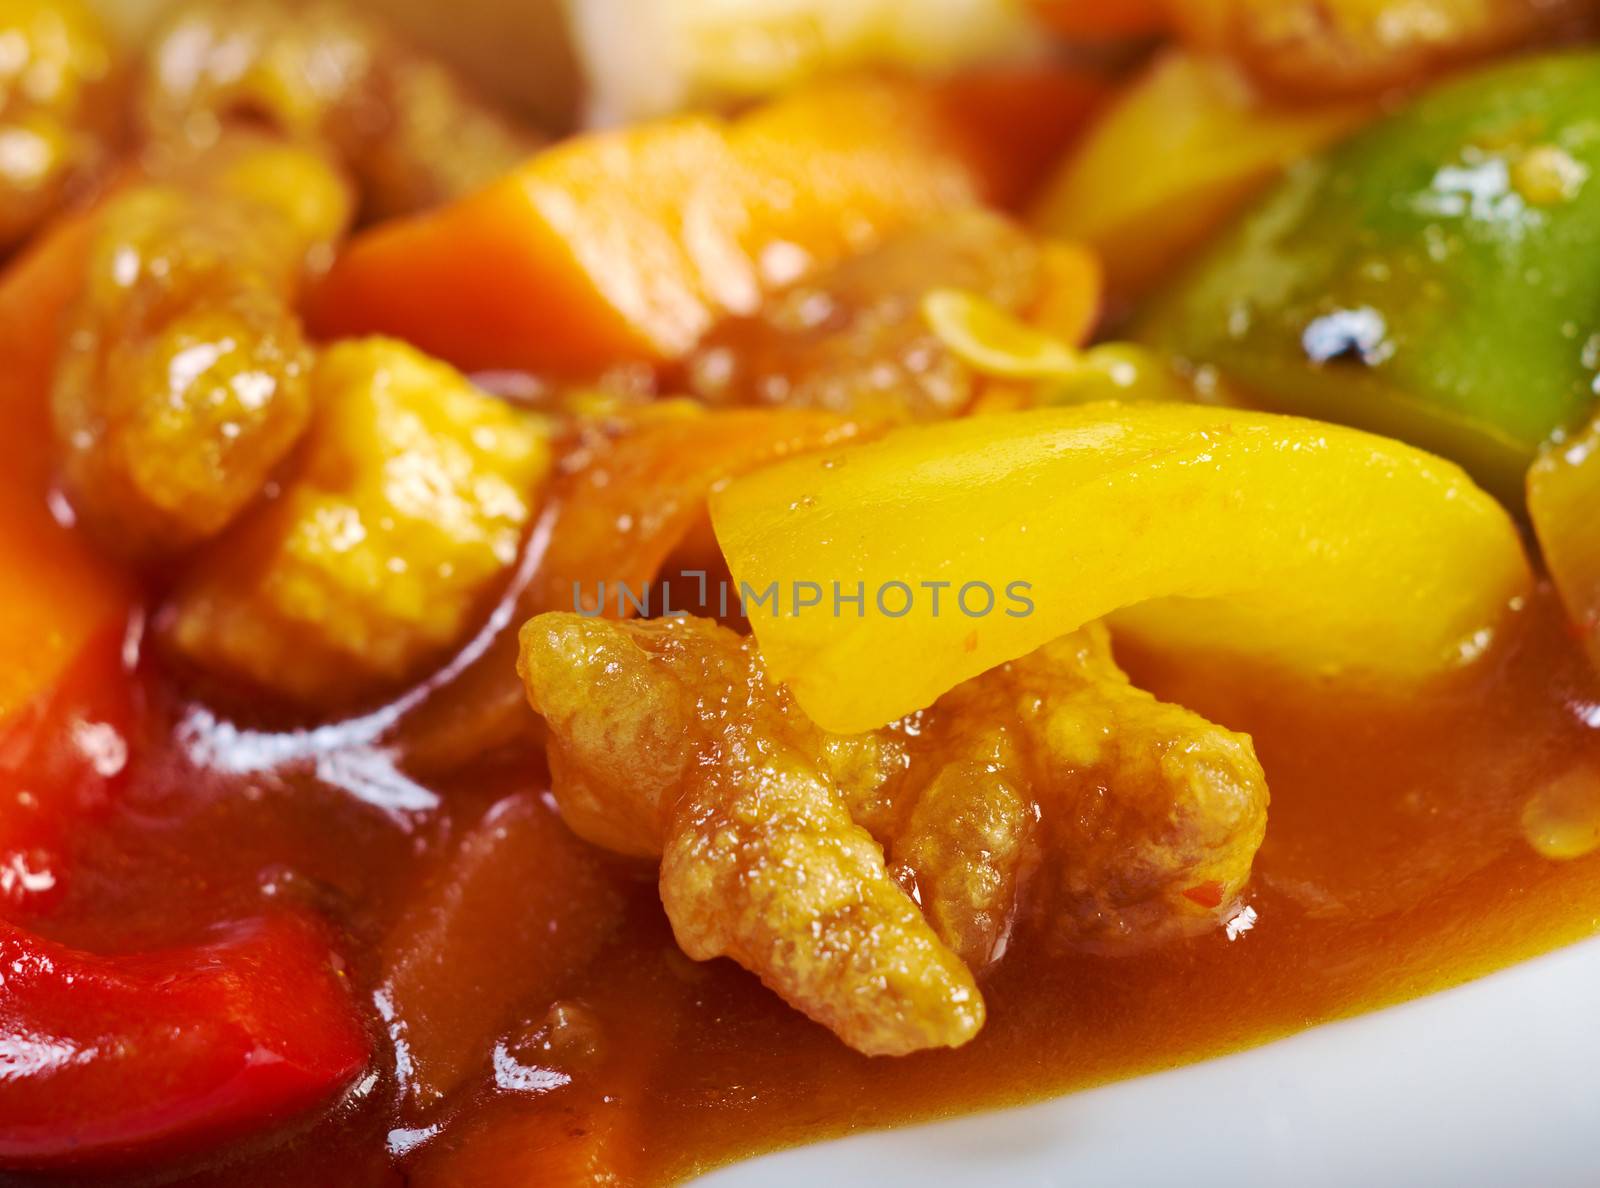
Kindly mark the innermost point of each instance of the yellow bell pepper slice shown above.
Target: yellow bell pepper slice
(1564, 505)
(1312, 547)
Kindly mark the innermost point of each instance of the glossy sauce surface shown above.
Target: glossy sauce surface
(1396, 863)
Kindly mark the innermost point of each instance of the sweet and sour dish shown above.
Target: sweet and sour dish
(911, 558)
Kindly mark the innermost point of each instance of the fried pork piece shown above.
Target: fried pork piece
(410, 501)
(965, 837)
(1126, 820)
(57, 107)
(667, 738)
(853, 339)
(1123, 820)
(403, 124)
(182, 382)
(1342, 47)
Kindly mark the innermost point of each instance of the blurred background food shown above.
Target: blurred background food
(712, 51)
(646, 57)
(565, 61)
(518, 51)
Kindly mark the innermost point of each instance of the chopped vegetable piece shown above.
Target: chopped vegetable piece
(1426, 279)
(117, 1059)
(58, 108)
(63, 760)
(515, 909)
(1072, 297)
(62, 594)
(1308, 546)
(1179, 151)
(1564, 504)
(629, 245)
(183, 381)
(1342, 47)
(64, 697)
(411, 500)
(989, 338)
(640, 497)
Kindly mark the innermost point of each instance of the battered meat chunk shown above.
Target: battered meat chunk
(1051, 781)
(409, 503)
(408, 129)
(57, 107)
(964, 838)
(183, 379)
(1125, 819)
(667, 738)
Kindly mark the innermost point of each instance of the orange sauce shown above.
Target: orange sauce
(1395, 865)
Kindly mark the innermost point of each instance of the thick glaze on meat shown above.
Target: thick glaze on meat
(185, 376)
(667, 738)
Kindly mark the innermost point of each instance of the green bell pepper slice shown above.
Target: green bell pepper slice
(1436, 278)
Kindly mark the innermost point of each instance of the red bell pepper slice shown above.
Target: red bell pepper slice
(105, 1060)
(63, 761)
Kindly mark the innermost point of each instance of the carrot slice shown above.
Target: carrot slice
(629, 244)
(500, 926)
(60, 594)
(621, 518)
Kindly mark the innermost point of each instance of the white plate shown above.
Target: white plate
(1492, 1084)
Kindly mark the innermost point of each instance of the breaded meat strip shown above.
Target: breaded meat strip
(1051, 782)
(1132, 820)
(666, 737)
